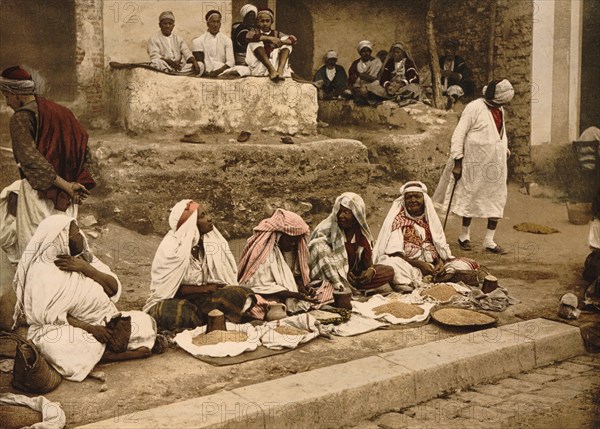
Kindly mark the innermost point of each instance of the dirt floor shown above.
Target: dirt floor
(538, 270)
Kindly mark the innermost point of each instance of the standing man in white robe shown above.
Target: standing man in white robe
(213, 48)
(477, 167)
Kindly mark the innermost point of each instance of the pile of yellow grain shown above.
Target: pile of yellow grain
(290, 330)
(461, 316)
(441, 292)
(399, 309)
(534, 228)
(216, 337)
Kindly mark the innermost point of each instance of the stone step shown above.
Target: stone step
(343, 394)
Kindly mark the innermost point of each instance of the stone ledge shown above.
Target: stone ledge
(340, 394)
(145, 101)
(241, 183)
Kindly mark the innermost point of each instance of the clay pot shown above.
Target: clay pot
(216, 321)
(490, 283)
(276, 311)
(342, 300)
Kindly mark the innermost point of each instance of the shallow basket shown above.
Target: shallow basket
(579, 213)
(18, 416)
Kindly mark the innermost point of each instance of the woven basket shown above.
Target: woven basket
(18, 416)
(579, 213)
(31, 372)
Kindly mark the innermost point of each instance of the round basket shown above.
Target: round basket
(462, 317)
(579, 213)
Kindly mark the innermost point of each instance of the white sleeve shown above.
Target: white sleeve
(460, 132)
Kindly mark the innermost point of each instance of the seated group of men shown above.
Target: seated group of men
(256, 48)
(392, 75)
(67, 296)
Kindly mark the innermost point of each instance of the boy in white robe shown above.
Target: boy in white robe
(213, 48)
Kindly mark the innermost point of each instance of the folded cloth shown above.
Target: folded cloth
(366, 308)
(185, 341)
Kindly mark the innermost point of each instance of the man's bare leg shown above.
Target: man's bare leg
(139, 353)
(284, 54)
(262, 56)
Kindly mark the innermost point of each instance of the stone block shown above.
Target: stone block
(477, 398)
(519, 385)
(205, 412)
(574, 368)
(333, 396)
(395, 421)
(533, 377)
(554, 341)
(494, 390)
(241, 183)
(464, 360)
(143, 101)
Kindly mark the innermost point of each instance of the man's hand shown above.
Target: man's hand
(77, 192)
(457, 169)
(439, 266)
(426, 268)
(276, 41)
(195, 66)
(366, 276)
(101, 333)
(352, 279)
(71, 263)
(173, 64)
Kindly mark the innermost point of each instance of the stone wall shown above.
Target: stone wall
(341, 24)
(469, 22)
(145, 101)
(242, 183)
(89, 61)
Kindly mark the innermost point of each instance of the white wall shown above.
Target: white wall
(550, 107)
(129, 24)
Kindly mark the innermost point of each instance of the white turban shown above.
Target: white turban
(246, 9)
(18, 87)
(166, 15)
(364, 43)
(331, 54)
(504, 92)
(413, 186)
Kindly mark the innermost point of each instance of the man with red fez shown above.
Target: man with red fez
(51, 151)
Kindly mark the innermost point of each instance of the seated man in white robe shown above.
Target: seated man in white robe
(168, 52)
(67, 297)
(274, 262)
(213, 48)
(412, 240)
(191, 271)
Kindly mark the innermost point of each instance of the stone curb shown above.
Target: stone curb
(342, 394)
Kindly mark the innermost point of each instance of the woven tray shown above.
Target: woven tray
(459, 317)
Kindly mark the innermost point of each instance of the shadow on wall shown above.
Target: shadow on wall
(41, 35)
(293, 17)
(557, 166)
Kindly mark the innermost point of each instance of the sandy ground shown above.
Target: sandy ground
(537, 271)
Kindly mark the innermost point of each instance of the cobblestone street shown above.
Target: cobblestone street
(562, 396)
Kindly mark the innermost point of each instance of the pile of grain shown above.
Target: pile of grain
(290, 330)
(534, 228)
(441, 292)
(216, 337)
(461, 317)
(399, 309)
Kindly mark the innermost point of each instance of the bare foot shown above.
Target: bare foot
(273, 75)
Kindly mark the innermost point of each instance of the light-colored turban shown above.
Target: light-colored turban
(16, 80)
(364, 43)
(246, 9)
(413, 186)
(166, 15)
(504, 92)
(331, 54)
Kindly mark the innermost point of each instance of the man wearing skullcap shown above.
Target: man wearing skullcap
(239, 30)
(477, 169)
(268, 49)
(213, 48)
(331, 79)
(168, 52)
(50, 148)
(364, 71)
